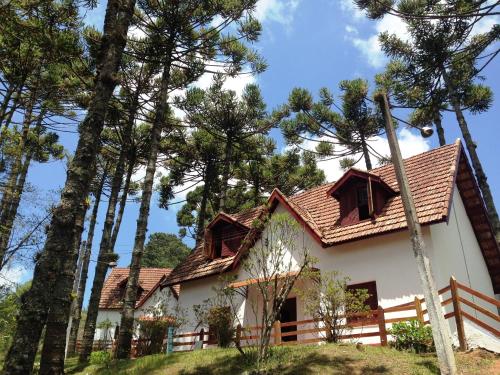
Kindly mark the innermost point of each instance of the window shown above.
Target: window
(362, 203)
(372, 300)
(288, 314)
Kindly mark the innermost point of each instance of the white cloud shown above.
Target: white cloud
(369, 45)
(351, 29)
(410, 144)
(280, 11)
(237, 84)
(12, 276)
(370, 49)
(350, 8)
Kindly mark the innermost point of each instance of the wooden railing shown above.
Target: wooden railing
(461, 298)
(374, 324)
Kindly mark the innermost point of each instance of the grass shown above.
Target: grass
(314, 359)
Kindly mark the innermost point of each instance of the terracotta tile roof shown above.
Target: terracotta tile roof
(431, 176)
(112, 292)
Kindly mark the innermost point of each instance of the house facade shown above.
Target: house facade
(150, 298)
(357, 226)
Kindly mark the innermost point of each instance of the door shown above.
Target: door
(288, 313)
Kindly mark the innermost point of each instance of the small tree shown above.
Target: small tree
(330, 302)
(152, 326)
(276, 262)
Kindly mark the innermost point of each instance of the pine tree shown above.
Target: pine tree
(337, 131)
(54, 271)
(443, 52)
(184, 39)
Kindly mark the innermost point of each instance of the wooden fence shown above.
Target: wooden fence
(374, 324)
(459, 298)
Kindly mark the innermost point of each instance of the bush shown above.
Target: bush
(100, 358)
(412, 336)
(152, 334)
(220, 322)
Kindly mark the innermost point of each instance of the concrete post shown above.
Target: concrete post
(440, 329)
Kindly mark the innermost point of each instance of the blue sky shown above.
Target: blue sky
(309, 44)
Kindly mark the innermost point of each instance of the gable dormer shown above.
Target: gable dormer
(223, 237)
(361, 196)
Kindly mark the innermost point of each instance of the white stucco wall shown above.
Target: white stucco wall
(387, 259)
(455, 251)
(159, 298)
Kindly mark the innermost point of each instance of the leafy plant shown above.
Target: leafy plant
(101, 357)
(221, 321)
(412, 336)
(329, 300)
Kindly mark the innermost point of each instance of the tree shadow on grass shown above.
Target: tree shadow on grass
(142, 365)
(309, 364)
(430, 365)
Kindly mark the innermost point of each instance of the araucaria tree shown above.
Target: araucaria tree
(54, 271)
(184, 39)
(445, 54)
(339, 131)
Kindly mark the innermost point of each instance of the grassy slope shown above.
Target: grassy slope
(325, 359)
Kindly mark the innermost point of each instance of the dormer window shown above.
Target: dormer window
(361, 196)
(223, 237)
(362, 203)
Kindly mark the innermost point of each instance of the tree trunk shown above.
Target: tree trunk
(77, 311)
(54, 344)
(6, 116)
(51, 267)
(123, 202)
(202, 212)
(12, 211)
(439, 128)
(228, 154)
(76, 285)
(127, 319)
(102, 260)
(366, 154)
(105, 250)
(83, 279)
(476, 163)
(15, 170)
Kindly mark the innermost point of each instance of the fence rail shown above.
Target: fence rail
(375, 323)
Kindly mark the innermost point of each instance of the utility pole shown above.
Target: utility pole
(440, 329)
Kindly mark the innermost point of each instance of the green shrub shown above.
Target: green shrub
(152, 334)
(101, 357)
(220, 324)
(412, 335)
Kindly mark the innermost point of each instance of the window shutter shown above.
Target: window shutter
(208, 244)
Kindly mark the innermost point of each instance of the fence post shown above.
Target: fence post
(381, 326)
(238, 336)
(170, 340)
(458, 314)
(202, 337)
(277, 332)
(418, 309)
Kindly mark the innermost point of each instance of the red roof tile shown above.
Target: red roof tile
(431, 177)
(112, 292)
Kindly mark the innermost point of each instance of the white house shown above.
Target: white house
(357, 226)
(150, 297)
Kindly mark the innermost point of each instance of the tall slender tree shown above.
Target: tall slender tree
(187, 38)
(54, 271)
(446, 53)
(77, 306)
(338, 131)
